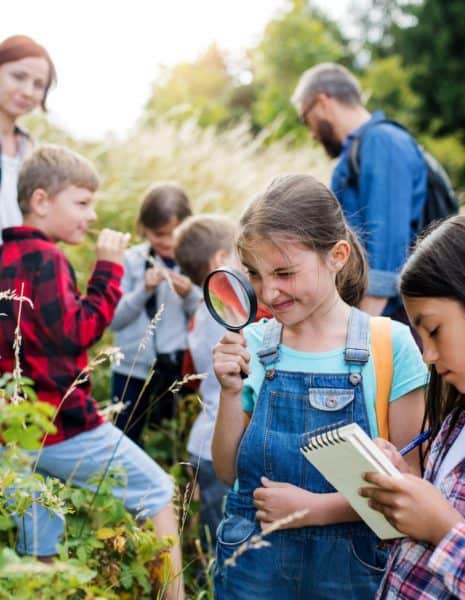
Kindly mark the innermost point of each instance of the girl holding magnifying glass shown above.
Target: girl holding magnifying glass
(308, 367)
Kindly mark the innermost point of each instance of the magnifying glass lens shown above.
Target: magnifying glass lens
(229, 300)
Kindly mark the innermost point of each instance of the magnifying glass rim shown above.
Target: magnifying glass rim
(248, 290)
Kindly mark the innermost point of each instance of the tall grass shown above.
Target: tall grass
(220, 169)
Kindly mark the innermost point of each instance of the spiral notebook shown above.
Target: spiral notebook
(342, 454)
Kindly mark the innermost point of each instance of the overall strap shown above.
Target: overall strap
(268, 352)
(357, 350)
(354, 150)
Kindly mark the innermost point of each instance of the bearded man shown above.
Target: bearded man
(383, 201)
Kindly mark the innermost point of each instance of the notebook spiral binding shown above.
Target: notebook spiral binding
(323, 436)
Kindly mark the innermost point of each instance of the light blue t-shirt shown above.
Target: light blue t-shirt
(409, 370)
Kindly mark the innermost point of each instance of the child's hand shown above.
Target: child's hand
(153, 276)
(412, 505)
(276, 500)
(230, 357)
(182, 285)
(393, 454)
(111, 245)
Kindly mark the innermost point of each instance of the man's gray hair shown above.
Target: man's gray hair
(326, 78)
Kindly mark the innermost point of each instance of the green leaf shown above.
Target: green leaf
(6, 523)
(81, 553)
(126, 578)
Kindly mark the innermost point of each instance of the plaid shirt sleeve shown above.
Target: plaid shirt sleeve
(448, 561)
(72, 321)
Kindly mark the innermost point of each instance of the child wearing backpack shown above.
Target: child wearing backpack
(152, 279)
(310, 366)
(430, 562)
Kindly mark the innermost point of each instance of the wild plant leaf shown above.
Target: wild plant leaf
(105, 533)
(29, 392)
(6, 523)
(81, 553)
(126, 578)
(26, 437)
(78, 497)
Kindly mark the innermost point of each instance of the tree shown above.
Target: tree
(386, 85)
(292, 42)
(433, 49)
(201, 88)
(375, 25)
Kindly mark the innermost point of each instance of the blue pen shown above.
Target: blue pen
(415, 442)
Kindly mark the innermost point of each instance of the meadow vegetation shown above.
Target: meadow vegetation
(106, 553)
(222, 131)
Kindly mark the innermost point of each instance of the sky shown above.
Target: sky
(108, 52)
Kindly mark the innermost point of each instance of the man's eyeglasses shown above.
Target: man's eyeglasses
(307, 107)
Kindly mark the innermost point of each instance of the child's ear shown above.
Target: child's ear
(40, 202)
(339, 255)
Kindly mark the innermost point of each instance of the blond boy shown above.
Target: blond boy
(56, 190)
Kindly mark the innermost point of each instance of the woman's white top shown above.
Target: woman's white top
(10, 214)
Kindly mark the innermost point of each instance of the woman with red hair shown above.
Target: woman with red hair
(26, 75)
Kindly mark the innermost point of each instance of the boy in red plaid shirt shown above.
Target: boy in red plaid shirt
(56, 190)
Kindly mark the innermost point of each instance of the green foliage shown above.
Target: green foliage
(105, 552)
(104, 537)
(200, 89)
(28, 579)
(450, 152)
(433, 48)
(386, 84)
(26, 422)
(377, 22)
(296, 40)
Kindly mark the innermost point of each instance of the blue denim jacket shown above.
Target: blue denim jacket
(385, 208)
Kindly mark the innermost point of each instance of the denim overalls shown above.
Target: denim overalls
(329, 562)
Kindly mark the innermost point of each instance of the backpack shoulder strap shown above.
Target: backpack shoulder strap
(354, 150)
(381, 348)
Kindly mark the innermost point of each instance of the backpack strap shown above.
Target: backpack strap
(381, 348)
(354, 149)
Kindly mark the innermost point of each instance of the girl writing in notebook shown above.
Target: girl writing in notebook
(431, 562)
(308, 367)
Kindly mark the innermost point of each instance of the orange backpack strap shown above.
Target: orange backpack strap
(381, 348)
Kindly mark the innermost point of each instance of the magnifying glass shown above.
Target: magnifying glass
(230, 298)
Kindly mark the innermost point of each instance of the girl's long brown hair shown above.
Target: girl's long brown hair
(436, 269)
(301, 208)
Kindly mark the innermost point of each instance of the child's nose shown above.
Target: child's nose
(430, 354)
(268, 294)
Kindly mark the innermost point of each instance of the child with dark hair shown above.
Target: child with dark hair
(152, 279)
(310, 366)
(430, 562)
